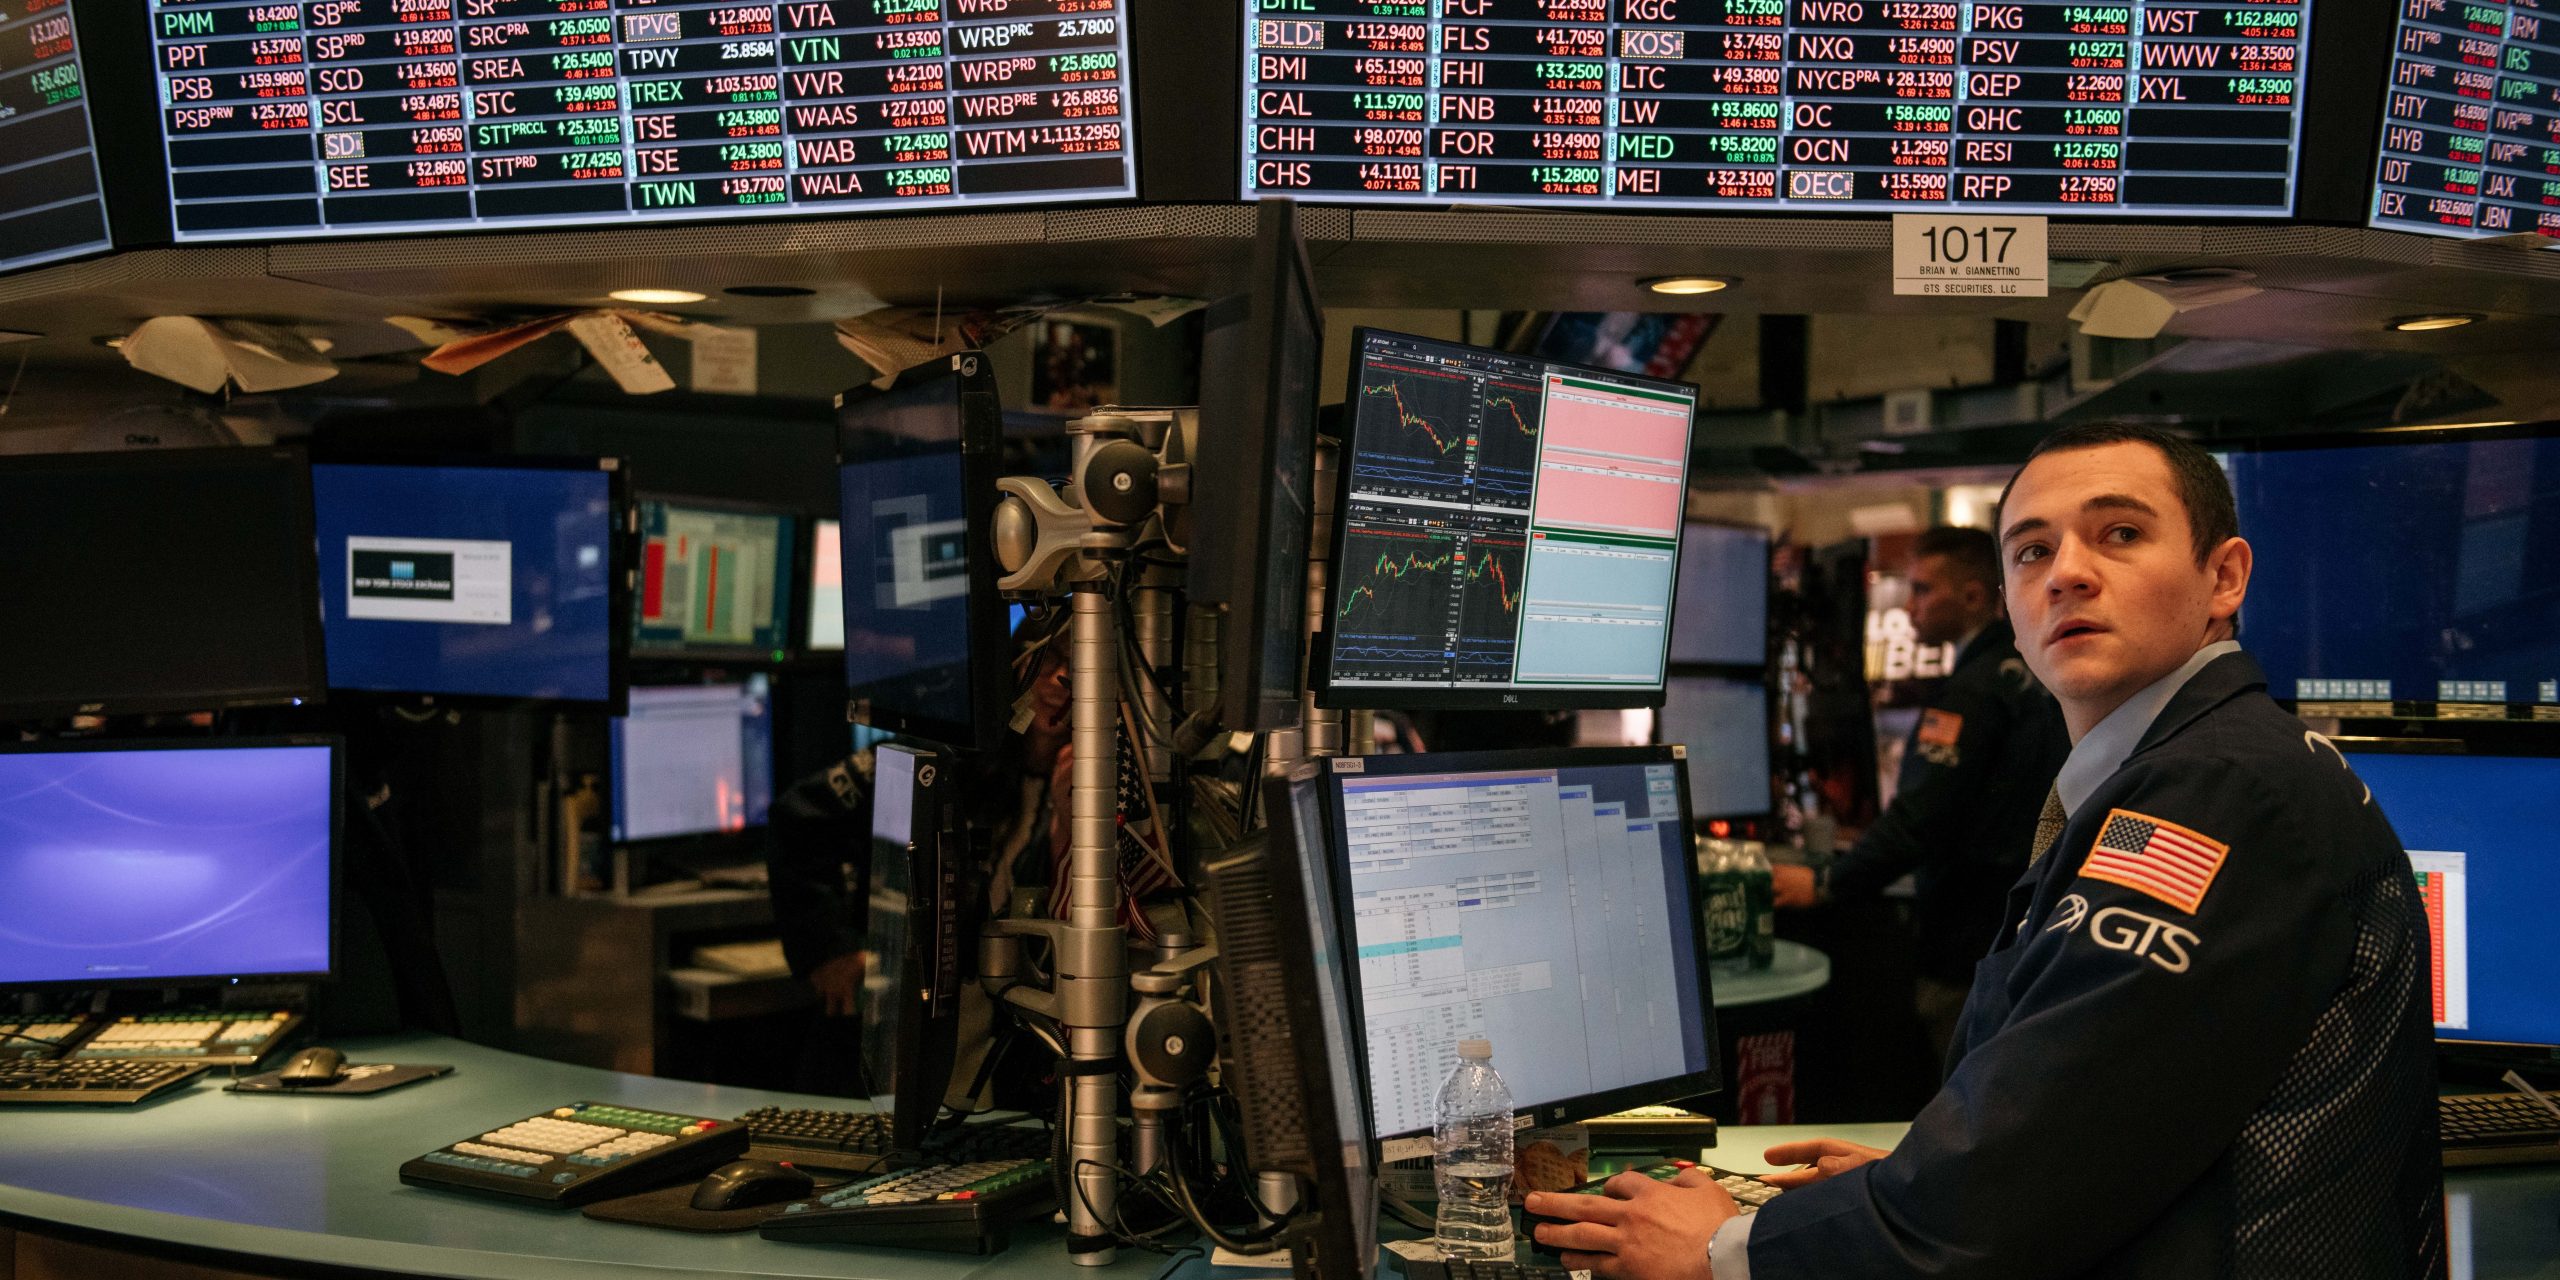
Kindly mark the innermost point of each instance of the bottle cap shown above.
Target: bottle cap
(1476, 1050)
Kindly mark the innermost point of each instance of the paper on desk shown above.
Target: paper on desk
(605, 334)
(207, 355)
(1276, 1260)
(2141, 308)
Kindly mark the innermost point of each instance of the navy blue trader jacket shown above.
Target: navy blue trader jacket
(2205, 1049)
(1973, 778)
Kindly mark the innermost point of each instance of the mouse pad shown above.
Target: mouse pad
(360, 1078)
(672, 1208)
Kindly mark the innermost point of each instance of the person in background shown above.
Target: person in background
(2203, 1046)
(818, 863)
(1974, 775)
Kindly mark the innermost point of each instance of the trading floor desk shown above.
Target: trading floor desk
(305, 1186)
(276, 1185)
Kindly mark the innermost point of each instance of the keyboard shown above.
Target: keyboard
(580, 1153)
(855, 1140)
(2496, 1128)
(213, 1036)
(1749, 1193)
(1465, 1269)
(861, 1141)
(950, 1208)
(93, 1082)
(19, 1039)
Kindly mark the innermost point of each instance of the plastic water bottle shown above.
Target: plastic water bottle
(1472, 1158)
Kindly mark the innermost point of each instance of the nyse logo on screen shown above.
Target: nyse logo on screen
(403, 575)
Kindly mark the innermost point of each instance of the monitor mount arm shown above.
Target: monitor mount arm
(1069, 540)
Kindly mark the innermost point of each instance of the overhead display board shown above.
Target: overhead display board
(336, 117)
(2184, 110)
(50, 206)
(2471, 122)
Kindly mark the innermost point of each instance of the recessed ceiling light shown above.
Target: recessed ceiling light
(656, 297)
(2431, 323)
(768, 291)
(1688, 286)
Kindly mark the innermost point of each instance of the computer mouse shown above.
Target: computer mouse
(744, 1184)
(315, 1065)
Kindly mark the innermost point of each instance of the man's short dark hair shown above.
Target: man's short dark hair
(2212, 517)
(1971, 552)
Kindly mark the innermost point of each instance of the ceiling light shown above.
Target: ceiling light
(1687, 286)
(2431, 323)
(656, 297)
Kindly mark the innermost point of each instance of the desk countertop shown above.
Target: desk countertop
(315, 1180)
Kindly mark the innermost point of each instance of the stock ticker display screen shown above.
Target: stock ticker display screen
(336, 117)
(50, 206)
(2471, 125)
(2187, 110)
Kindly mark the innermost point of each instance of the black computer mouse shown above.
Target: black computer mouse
(315, 1065)
(744, 1184)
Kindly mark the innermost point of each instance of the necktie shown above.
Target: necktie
(2048, 824)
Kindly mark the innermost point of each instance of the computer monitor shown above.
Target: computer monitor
(921, 917)
(2479, 834)
(162, 864)
(826, 588)
(924, 638)
(1289, 1029)
(716, 580)
(157, 580)
(1723, 614)
(1544, 900)
(693, 760)
(1509, 531)
(1253, 483)
(1724, 722)
(490, 581)
(2419, 568)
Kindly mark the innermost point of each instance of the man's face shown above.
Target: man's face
(1945, 603)
(2102, 580)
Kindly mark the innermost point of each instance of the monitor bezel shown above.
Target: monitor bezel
(790, 600)
(1333, 1243)
(1662, 1090)
(974, 398)
(2521, 1051)
(1236, 470)
(1671, 659)
(622, 557)
(336, 746)
(703, 840)
(314, 642)
(1487, 697)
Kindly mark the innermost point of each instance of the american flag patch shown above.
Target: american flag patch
(2162, 859)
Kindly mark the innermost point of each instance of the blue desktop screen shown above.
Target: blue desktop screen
(2483, 835)
(474, 581)
(125, 866)
(692, 760)
(2424, 572)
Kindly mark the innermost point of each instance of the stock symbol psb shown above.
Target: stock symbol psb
(403, 575)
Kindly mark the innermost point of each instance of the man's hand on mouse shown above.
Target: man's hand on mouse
(1641, 1230)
